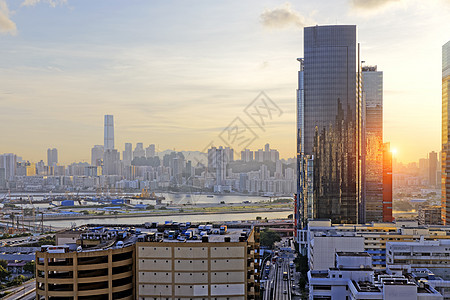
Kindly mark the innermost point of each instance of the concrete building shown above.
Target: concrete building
(109, 133)
(246, 155)
(100, 274)
(433, 255)
(432, 169)
(445, 162)
(127, 154)
(322, 249)
(52, 157)
(8, 162)
(162, 261)
(375, 236)
(111, 162)
(430, 215)
(2, 178)
(218, 267)
(353, 278)
(97, 155)
(150, 151)
(139, 150)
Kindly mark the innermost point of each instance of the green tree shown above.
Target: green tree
(4, 263)
(30, 267)
(4, 273)
(269, 237)
(48, 240)
(17, 280)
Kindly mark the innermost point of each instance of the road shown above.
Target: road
(278, 284)
(22, 241)
(25, 291)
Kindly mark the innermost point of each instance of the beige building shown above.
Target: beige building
(144, 264)
(101, 274)
(213, 269)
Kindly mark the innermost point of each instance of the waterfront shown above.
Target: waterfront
(177, 218)
(170, 198)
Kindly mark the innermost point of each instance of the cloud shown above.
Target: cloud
(52, 3)
(282, 17)
(6, 25)
(371, 4)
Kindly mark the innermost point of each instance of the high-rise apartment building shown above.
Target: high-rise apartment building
(127, 154)
(373, 144)
(2, 178)
(8, 162)
(432, 169)
(445, 132)
(246, 155)
(329, 125)
(221, 166)
(150, 151)
(97, 155)
(111, 162)
(52, 157)
(109, 132)
(139, 150)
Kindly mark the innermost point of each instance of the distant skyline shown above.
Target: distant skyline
(175, 74)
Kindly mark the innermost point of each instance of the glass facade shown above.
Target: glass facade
(373, 144)
(329, 133)
(445, 133)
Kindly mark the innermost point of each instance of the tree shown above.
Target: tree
(18, 280)
(269, 237)
(4, 273)
(4, 263)
(48, 240)
(30, 267)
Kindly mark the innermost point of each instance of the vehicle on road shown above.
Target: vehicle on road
(285, 276)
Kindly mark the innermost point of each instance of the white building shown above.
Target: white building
(433, 255)
(354, 278)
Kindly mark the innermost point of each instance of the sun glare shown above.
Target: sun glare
(394, 151)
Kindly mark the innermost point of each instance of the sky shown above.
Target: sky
(182, 74)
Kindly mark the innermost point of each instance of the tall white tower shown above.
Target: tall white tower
(109, 132)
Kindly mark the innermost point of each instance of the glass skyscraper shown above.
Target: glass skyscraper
(445, 133)
(329, 130)
(373, 144)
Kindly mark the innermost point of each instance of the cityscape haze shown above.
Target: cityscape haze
(225, 150)
(253, 43)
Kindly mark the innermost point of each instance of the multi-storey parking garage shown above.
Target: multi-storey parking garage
(86, 275)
